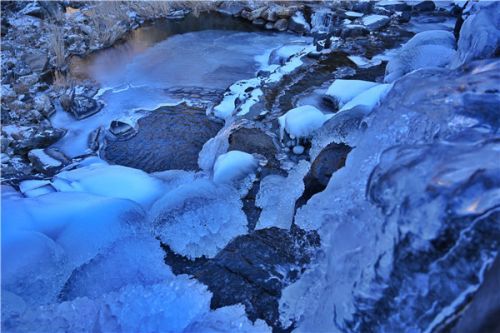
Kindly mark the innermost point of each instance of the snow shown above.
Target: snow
(374, 21)
(363, 62)
(277, 196)
(114, 181)
(199, 218)
(301, 122)
(34, 188)
(352, 14)
(46, 160)
(342, 91)
(233, 165)
(237, 91)
(369, 98)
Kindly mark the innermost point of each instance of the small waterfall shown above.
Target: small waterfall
(322, 20)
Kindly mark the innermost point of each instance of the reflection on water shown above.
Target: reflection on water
(212, 53)
(139, 40)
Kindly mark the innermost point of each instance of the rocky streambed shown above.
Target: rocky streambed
(300, 167)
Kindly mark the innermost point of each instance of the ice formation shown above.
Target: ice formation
(369, 98)
(301, 121)
(209, 213)
(233, 165)
(277, 196)
(342, 91)
(433, 48)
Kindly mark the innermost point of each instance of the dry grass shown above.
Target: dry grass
(56, 46)
(107, 20)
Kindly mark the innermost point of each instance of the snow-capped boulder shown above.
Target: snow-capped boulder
(480, 34)
(375, 22)
(342, 91)
(427, 49)
(233, 165)
(301, 122)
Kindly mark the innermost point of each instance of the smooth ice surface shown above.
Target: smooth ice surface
(114, 181)
(342, 91)
(199, 218)
(233, 165)
(302, 121)
(208, 59)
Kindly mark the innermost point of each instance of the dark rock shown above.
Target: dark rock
(424, 6)
(37, 138)
(298, 23)
(329, 160)
(353, 31)
(121, 129)
(254, 140)
(36, 60)
(398, 6)
(404, 17)
(255, 14)
(269, 25)
(259, 22)
(482, 314)
(168, 138)
(281, 24)
(364, 7)
(252, 269)
(83, 107)
(269, 14)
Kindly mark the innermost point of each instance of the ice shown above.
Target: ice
(369, 98)
(301, 122)
(114, 181)
(44, 158)
(34, 188)
(171, 306)
(241, 91)
(134, 260)
(480, 33)
(363, 62)
(134, 76)
(352, 14)
(233, 165)
(433, 48)
(342, 91)
(422, 173)
(227, 319)
(199, 218)
(277, 196)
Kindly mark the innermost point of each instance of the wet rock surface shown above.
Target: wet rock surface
(167, 138)
(252, 269)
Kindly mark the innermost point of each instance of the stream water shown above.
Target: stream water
(134, 75)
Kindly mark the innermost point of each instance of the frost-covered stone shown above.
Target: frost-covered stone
(433, 48)
(199, 218)
(298, 23)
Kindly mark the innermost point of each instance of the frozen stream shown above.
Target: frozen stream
(133, 76)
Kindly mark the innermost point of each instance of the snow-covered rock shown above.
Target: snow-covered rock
(34, 188)
(369, 98)
(199, 218)
(233, 165)
(342, 91)
(353, 15)
(44, 162)
(375, 22)
(433, 48)
(301, 122)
